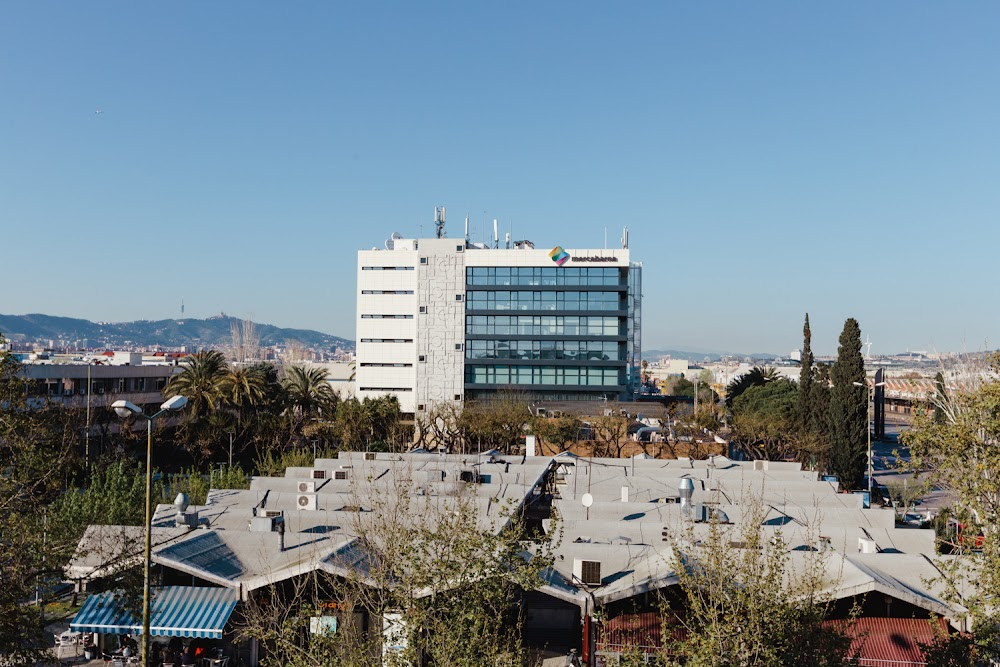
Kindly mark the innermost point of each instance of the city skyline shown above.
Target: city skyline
(768, 161)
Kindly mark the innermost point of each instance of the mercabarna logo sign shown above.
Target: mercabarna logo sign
(559, 256)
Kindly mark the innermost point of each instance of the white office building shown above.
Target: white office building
(446, 320)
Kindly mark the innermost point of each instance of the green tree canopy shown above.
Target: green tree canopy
(36, 449)
(755, 377)
(751, 605)
(765, 420)
(961, 453)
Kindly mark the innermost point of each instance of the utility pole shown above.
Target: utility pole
(870, 386)
(86, 436)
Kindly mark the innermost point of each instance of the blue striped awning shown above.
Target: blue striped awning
(175, 611)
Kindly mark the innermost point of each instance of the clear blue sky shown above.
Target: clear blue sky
(769, 158)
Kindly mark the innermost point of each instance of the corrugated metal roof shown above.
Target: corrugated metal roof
(640, 630)
(884, 641)
(881, 641)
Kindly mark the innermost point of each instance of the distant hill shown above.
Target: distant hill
(655, 355)
(193, 333)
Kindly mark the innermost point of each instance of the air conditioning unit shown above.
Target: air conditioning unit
(587, 571)
(867, 546)
(699, 513)
(262, 524)
(272, 513)
(340, 474)
(319, 474)
(306, 501)
(188, 518)
(369, 456)
(307, 487)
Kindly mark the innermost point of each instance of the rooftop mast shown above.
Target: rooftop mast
(439, 221)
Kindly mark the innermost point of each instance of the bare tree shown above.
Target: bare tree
(748, 600)
(498, 422)
(423, 566)
(611, 432)
(440, 428)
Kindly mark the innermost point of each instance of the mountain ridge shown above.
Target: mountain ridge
(188, 332)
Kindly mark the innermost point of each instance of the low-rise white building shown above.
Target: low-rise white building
(618, 524)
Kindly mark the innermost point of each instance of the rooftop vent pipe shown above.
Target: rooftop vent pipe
(685, 489)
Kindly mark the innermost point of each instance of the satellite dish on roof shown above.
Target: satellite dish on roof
(390, 243)
(587, 500)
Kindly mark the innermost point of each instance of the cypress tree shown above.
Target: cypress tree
(806, 394)
(940, 400)
(849, 410)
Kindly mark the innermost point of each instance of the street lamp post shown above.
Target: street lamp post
(871, 401)
(124, 409)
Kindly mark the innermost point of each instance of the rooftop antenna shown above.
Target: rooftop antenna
(439, 221)
(508, 240)
(496, 234)
(625, 239)
(466, 229)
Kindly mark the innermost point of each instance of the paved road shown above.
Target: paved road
(885, 469)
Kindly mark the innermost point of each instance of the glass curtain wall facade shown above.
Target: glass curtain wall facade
(558, 333)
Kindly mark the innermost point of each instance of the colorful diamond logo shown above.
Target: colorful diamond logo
(559, 256)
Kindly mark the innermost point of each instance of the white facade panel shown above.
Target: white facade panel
(535, 257)
(387, 353)
(379, 272)
(389, 377)
(394, 329)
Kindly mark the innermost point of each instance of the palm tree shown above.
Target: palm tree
(755, 377)
(200, 381)
(308, 391)
(242, 388)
